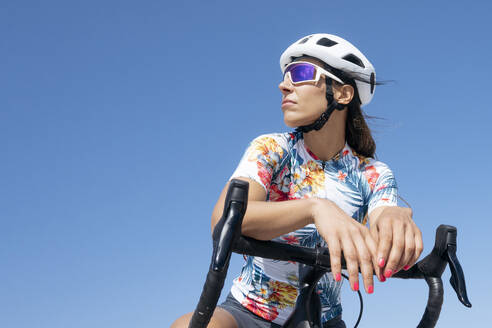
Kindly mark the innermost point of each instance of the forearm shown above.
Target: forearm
(267, 220)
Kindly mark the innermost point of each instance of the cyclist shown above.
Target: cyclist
(317, 185)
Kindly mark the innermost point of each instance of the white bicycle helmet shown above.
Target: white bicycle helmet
(337, 53)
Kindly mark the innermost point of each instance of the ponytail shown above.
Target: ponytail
(357, 132)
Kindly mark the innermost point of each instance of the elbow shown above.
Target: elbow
(246, 230)
(258, 234)
(213, 222)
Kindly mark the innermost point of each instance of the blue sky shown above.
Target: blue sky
(120, 122)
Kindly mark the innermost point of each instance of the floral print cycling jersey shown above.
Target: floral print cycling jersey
(287, 170)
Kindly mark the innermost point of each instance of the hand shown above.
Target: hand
(344, 234)
(399, 240)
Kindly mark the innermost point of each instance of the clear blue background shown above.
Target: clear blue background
(120, 122)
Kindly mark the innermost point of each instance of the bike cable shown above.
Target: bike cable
(361, 304)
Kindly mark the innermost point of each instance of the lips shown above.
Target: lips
(288, 101)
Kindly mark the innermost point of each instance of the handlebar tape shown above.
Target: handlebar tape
(318, 256)
(225, 232)
(434, 304)
(431, 268)
(208, 299)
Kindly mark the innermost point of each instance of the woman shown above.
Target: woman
(319, 184)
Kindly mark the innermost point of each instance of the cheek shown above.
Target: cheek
(317, 101)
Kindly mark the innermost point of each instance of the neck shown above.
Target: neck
(330, 139)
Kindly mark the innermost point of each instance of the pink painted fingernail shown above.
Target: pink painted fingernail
(338, 277)
(381, 262)
(356, 286)
(388, 273)
(406, 267)
(382, 278)
(370, 289)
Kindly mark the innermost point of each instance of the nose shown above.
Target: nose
(285, 85)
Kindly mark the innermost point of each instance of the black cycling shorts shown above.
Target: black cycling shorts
(247, 319)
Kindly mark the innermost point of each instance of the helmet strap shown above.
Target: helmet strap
(332, 105)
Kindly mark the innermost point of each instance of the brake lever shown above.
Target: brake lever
(457, 279)
(445, 248)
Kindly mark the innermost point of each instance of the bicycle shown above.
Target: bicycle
(227, 238)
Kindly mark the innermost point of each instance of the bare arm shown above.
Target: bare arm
(266, 220)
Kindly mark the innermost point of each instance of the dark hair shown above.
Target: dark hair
(357, 132)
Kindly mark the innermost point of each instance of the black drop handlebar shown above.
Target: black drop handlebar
(227, 238)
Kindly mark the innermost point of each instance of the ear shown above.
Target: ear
(343, 94)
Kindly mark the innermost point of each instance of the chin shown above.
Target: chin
(294, 123)
(291, 123)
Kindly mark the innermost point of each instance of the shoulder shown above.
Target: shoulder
(263, 158)
(364, 163)
(271, 143)
(274, 138)
(377, 175)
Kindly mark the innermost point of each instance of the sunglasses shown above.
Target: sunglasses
(300, 72)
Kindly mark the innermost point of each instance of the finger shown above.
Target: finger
(397, 248)
(373, 249)
(374, 235)
(335, 256)
(409, 252)
(352, 259)
(365, 261)
(385, 240)
(419, 244)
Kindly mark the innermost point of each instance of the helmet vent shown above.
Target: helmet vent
(325, 42)
(354, 60)
(304, 40)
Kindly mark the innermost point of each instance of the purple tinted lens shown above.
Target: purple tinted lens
(301, 72)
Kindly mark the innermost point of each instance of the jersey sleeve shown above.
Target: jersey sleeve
(261, 159)
(382, 185)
